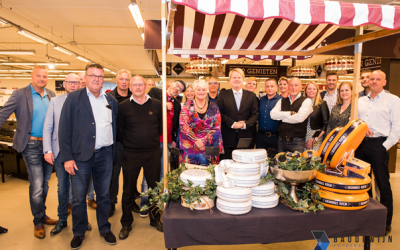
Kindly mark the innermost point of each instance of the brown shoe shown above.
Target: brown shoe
(69, 208)
(38, 231)
(92, 204)
(49, 221)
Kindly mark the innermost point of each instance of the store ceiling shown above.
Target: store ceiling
(103, 31)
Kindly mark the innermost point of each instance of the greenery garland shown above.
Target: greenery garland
(176, 188)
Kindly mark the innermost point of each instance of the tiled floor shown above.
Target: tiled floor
(16, 216)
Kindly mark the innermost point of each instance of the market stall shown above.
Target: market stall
(277, 30)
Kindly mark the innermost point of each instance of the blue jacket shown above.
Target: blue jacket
(265, 123)
(77, 129)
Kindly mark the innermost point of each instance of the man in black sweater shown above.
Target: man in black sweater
(139, 128)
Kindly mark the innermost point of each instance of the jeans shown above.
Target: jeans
(114, 187)
(39, 173)
(62, 189)
(295, 144)
(133, 162)
(90, 195)
(100, 167)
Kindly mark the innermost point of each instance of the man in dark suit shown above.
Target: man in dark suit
(87, 134)
(30, 106)
(239, 113)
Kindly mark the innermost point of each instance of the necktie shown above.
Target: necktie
(237, 99)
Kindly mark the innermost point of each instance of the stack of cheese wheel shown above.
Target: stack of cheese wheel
(264, 196)
(198, 177)
(234, 201)
(343, 193)
(342, 142)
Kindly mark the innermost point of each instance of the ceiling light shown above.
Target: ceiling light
(143, 36)
(107, 70)
(55, 71)
(18, 63)
(74, 71)
(17, 52)
(51, 66)
(82, 59)
(20, 70)
(137, 16)
(3, 22)
(6, 75)
(54, 64)
(112, 72)
(63, 50)
(33, 37)
(224, 61)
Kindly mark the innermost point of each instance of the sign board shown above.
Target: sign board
(59, 86)
(371, 63)
(266, 71)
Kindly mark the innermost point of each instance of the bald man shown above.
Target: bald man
(381, 111)
(292, 113)
(140, 138)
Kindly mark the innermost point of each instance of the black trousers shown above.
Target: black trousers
(266, 142)
(372, 151)
(131, 165)
(228, 150)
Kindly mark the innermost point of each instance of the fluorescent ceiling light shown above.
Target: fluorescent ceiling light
(6, 75)
(17, 52)
(137, 16)
(54, 64)
(82, 59)
(20, 70)
(107, 70)
(61, 49)
(33, 37)
(18, 63)
(112, 72)
(74, 71)
(3, 22)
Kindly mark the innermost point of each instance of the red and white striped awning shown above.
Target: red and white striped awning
(267, 25)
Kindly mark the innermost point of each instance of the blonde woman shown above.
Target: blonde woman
(340, 114)
(251, 84)
(188, 95)
(200, 127)
(318, 119)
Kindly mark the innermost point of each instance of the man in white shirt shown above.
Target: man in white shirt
(381, 111)
(292, 113)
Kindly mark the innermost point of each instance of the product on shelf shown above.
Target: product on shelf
(234, 208)
(197, 176)
(244, 181)
(235, 194)
(249, 155)
(263, 190)
(344, 201)
(340, 184)
(268, 201)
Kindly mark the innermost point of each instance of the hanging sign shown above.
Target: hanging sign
(267, 71)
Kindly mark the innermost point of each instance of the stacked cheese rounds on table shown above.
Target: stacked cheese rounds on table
(241, 191)
(344, 188)
(198, 177)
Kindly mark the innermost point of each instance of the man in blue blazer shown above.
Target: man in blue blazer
(30, 105)
(87, 136)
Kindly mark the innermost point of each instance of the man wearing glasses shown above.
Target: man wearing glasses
(30, 106)
(87, 137)
(51, 149)
(213, 86)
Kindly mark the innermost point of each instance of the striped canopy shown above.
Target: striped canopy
(219, 26)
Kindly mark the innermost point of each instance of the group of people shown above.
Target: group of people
(90, 135)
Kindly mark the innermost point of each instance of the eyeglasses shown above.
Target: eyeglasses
(212, 83)
(72, 82)
(138, 85)
(94, 76)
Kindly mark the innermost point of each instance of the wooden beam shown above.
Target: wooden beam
(237, 52)
(356, 75)
(164, 90)
(354, 40)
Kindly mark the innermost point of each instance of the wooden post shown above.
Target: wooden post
(164, 88)
(356, 75)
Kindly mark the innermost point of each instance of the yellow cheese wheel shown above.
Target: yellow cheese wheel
(343, 185)
(309, 154)
(344, 143)
(344, 201)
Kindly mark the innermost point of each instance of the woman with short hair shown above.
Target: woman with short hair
(200, 127)
(251, 84)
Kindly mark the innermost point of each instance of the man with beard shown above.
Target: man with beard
(330, 96)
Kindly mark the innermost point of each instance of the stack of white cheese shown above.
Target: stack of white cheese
(238, 181)
(198, 177)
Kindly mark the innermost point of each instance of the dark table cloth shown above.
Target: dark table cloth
(183, 227)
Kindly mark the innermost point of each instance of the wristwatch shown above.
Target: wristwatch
(48, 152)
(316, 139)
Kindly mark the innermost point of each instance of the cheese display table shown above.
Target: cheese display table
(183, 227)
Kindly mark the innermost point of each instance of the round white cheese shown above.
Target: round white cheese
(244, 181)
(197, 176)
(249, 155)
(206, 203)
(264, 169)
(264, 190)
(234, 208)
(269, 201)
(235, 194)
(243, 169)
